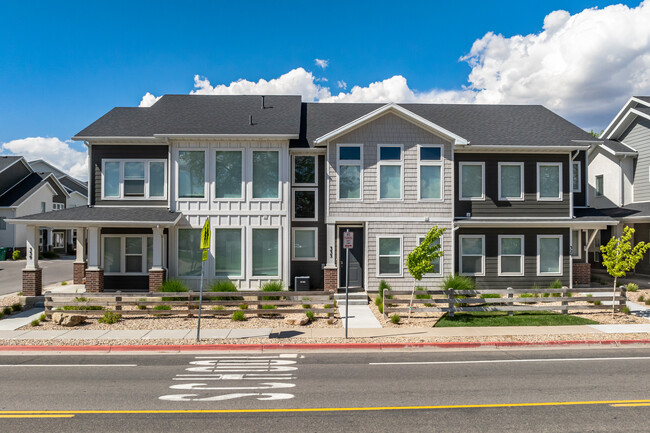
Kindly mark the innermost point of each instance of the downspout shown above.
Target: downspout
(620, 166)
(89, 160)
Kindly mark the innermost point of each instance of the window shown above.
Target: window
(389, 166)
(472, 186)
(59, 240)
(228, 252)
(43, 206)
(430, 172)
(576, 244)
(349, 168)
(511, 181)
(549, 181)
(191, 174)
(304, 170)
(229, 173)
(437, 263)
(305, 204)
(549, 255)
(265, 253)
(3, 223)
(127, 254)
(58, 206)
(599, 185)
(266, 174)
(576, 184)
(389, 256)
(134, 179)
(511, 255)
(133, 254)
(112, 254)
(472, 254)
(189, 254)
(305, 244)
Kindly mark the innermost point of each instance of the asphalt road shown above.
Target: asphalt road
(480, 390)
(54, 271)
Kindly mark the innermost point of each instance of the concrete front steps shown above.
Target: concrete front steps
(355, 298)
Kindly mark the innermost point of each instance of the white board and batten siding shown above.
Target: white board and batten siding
(246, 213)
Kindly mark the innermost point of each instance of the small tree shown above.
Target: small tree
(420, 261)
(619, 257)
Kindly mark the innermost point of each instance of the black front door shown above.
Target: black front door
(356, 258)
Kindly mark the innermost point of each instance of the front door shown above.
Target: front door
(356, 258)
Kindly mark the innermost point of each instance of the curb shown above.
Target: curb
(178, 348)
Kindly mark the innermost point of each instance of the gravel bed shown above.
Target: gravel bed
(634, 296)
(8, 301)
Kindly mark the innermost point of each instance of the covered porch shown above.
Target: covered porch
(117, 248)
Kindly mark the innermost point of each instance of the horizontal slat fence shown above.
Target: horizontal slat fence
(453, 301)
(187, 303)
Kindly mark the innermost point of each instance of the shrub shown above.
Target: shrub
(162, 307)
(20, 293)
(528, 295)
(50, 255)
(310, 315)
(557, 284)
(647, 301)
(632, 287)
(380, 307)
(383, 285)
(15, 255)
(546, 295)
(395, 318)
(597, 303)
(142, 307)
(64, 283)
(641, 298)
(269, 307)
(110, 318)
(238, 316)
(490, 296)
(327, 306)
(35, 322)
(2, 314)
(422, 295)
(219, 307)
(458, 282)
(173, 285)
(243, 307)
(42, 318)
(6, 310)
(625, 310)
(82, 307)
(306, 306)
(224, 286)
(272, 286)
(378, 300)
(16, 307)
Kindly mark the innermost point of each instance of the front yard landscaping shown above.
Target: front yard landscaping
(519, 318)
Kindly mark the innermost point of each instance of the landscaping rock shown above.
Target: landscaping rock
(296, 319)
(332, 320)
(68, 320)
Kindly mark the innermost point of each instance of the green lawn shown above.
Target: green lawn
(520, 318)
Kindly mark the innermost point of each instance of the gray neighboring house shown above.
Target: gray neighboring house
(281, 181)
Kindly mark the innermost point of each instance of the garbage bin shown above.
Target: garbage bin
(3, 254)
(301, 284)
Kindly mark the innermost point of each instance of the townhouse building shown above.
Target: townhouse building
(281, 181)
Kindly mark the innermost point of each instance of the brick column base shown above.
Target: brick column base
(79, 272)
(581, 273)
(32, 282)
(330, 279)
(156, 279)
(94, 280)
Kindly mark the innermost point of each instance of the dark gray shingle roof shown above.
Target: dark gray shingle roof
(71, 185)
(22, 190)
(643, 98)
(7, 160)
(202, 114)
(106, 215)
(592, 215)
(617, 146)
(635, 210)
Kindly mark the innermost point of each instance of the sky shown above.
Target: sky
(64, 64)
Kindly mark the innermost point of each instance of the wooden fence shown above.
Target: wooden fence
(187, 303)
(452, 301)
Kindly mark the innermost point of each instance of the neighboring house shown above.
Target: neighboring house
(282, 180)
(25, 192)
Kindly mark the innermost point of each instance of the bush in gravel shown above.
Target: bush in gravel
(110, 318)
(641, 298)
(15, 255)
(557, 284)
(272, 286)
(6, 310)
(35, 322)
(395, 318)
(142, 307)
(647, 301)
(64, 283)
(243, 307)
(490, 296)
(306, 306)
(82, 307)
(383, 285)
(625, 310)
(422, 295)
(16, 307)
(173, 285)
(597, 303)
(2, 314)
(224, 286)
(162, 307)
(238, 316)
(632, 287)
(529, 295)
(42, 318)
(219, 307)
(310, 315)
(458, 282)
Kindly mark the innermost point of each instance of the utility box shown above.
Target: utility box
(301, 284)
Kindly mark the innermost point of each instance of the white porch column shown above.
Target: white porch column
(157, 248)
(331, 246)
(81, 245)
(94, 245)
(48, 247)
(32, 248)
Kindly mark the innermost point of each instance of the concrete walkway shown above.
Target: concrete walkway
(21, 319)
(360, 316)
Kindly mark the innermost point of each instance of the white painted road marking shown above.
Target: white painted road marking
(497, 361)
(201, 386)
(68, 365)
(260, 396)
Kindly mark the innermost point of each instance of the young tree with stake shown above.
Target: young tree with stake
(420, 261)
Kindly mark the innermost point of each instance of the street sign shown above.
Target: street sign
(204, 255)
(348, 240)
(205, 235)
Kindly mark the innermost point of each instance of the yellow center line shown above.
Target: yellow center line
(38, 416)
(631, 405)
(333, 409)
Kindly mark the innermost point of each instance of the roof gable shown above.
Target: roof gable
(635, 106)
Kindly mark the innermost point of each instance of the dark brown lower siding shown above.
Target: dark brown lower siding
(492, 280)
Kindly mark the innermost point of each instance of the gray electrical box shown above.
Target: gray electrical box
(301, 284)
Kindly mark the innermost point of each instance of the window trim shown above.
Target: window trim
(252, 174)
(147, 169)
(521, 181)
(461, 164)
(57, 206)
(249, 255)
(293, 169)
(390, 163)
(206, 183)
(602, 182)
(358, 162)
(460, 255)
(573, 168)
(401, 255)
(560, 189)
(428, 163)
(143, 239)
(521, 256)
(561, 257)
(242, 258)
(573, 247)
(243, 175)
(293, 244)
(293, 204)
(439, 273)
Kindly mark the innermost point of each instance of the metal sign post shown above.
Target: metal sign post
(205, 245)
(348, 242)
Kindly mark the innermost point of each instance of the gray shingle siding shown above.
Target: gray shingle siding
(637, 136)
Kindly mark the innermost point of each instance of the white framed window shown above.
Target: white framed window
(430, 172)
(126, 254)
(389, 256)
(437, 263)
(511, 255)
(189, 253)
(472, 255)
(549, 255)
(265, 248)
(43, 206)
(58, 206)
(229, 174)
(190, 178)
(305, 170)
(389, 171)
(549, 181)
(472, 181)
(600, 185)
(134, 179)
(305, 204)
(350, 171)
(228, 252)
(576, 176)
(266, 174)
(511, 181)
(576, 238)
(305, 244)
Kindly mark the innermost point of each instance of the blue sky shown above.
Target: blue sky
(64, 64)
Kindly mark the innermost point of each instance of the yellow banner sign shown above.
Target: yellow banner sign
(205, 235)
(204, 255)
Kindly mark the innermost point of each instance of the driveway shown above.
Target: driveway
(54, 271)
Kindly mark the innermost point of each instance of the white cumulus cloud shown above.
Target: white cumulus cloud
(342, 84)
(321, 63)
(58, 153)
(148, 100)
